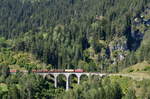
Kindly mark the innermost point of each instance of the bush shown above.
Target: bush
(147, 68)
(137, 70)
(130, 70)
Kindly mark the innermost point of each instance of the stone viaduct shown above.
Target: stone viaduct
(68, 74)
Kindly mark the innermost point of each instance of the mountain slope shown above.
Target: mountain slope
(93, 35)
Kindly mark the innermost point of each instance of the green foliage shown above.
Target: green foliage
(29, 86)
(4, 71)
(19, 60)
(58, 32)
(130, 94)
(95, 89)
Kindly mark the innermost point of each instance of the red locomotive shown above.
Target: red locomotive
(79, 70)
(13, 71)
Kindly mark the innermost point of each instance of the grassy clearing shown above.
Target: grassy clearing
(143, 67)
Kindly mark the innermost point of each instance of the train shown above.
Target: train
(50, 71)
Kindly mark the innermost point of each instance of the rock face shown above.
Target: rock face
(140, 24)
(147, 22)
(118, 44)
(137, 37)
(117, 48)
(120, 47)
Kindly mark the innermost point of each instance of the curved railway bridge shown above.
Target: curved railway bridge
(79, 74)
(68, 74)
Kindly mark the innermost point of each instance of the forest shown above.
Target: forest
(107, 36)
